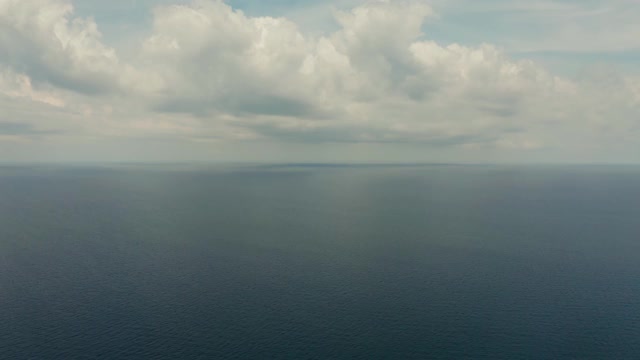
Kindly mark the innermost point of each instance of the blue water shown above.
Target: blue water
(319, 262)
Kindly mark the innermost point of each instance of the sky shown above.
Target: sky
(455, 81)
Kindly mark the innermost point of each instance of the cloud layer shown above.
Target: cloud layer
(208, 73)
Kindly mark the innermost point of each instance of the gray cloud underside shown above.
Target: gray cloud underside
(20, 128)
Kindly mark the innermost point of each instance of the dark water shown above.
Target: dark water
(303, 262)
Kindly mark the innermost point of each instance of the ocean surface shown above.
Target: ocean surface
(319, 262)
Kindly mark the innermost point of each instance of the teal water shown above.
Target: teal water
(319, 262)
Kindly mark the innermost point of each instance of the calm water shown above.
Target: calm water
(332, 262)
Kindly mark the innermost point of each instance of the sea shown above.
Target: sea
(310, 261)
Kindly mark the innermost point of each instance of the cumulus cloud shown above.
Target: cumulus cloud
(41, 39)
(376, 79)
(206, 70)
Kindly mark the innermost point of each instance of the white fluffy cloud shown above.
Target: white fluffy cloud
(208, 71)
(41, 39)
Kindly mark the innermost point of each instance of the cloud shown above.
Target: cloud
(20, 128)
(361, 83)
(41, 38)
(205, 70)
(559, 26)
